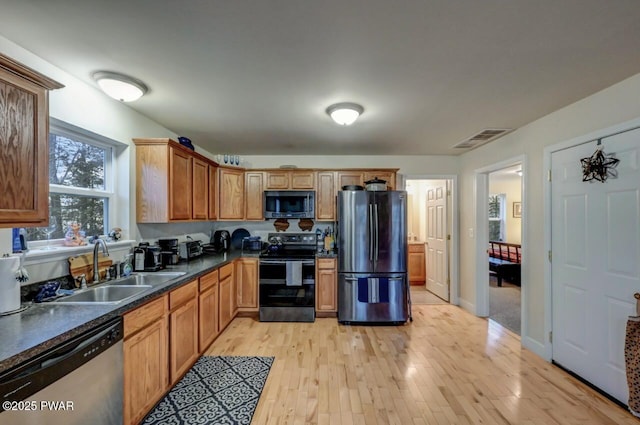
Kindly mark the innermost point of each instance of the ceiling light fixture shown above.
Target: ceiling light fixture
(119, 86)
(345, 113)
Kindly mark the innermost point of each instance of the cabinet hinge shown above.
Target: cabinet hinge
(448, 192)
(550, 256)
(448, 237)
(549, 174)
(550, 336)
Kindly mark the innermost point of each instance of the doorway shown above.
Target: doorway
(504, 249)
(431, 238)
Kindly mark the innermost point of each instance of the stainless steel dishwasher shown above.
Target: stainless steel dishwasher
(77, 382)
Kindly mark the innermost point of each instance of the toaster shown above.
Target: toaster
(189, 249)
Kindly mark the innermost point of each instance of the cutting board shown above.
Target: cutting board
(83, 264)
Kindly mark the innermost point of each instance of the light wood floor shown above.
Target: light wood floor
(447, 367)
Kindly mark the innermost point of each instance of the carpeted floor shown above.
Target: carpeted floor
(504, 304)
(216, 390)
(420, 296)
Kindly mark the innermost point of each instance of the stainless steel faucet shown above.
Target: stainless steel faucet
(105, 251)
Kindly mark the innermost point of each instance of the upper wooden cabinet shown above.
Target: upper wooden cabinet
(173, 183)
(24, 145)
(350, 177)
(387, 175)
(253, 195)
(231, 194)
(289, 179)
(213, 192)
(326, 196)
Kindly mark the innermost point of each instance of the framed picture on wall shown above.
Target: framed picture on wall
(517, 209)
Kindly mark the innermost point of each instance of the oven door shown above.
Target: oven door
(287, 290)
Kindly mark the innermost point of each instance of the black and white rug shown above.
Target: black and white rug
(217, 390)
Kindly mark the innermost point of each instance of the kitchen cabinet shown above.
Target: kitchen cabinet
(213, 192)
(226, 310)
(231, 194)
(326, 196)
(145, 353)
(24, 145)
(289, 180)
(253, 195)
(246, 272)
(208, 310)
(172, 183)
(345, 178)
(183, 329)
(416, 264)
(326, 285)
(200, 193)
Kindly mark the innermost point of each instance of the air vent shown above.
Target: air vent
(485, 136)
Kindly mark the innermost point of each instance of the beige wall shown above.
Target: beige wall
(614, 105)
(510, 185)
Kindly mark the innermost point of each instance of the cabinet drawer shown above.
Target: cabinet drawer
(326, 263)
(414, 247)
(208, 280)
(225, 271)
(143, 315)
(183, 294)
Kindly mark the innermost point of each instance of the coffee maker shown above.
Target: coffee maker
(146, 258)
(169, 251)
(221, 241)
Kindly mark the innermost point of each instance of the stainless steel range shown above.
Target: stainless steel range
(287, 278)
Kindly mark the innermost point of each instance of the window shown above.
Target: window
(80, 182)
(497, 217)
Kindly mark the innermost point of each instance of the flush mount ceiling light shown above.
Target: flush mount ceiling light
(345, 113)
(119, 86)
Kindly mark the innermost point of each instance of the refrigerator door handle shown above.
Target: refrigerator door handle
(351, 279)
(371, 234)
(395, 278)
(377, 224)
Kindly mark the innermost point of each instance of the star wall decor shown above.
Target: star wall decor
(598, 166)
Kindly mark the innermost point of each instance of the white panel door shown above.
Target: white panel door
(595, 262)
(437, 258)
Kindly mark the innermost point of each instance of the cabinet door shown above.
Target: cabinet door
(326, 285)
(200, 192)
(224, 309)
(326, 196)
(277, 180)
(349, 178)
(388, 176)
(247, 283)
(302, 180)
(231, 200)
(183, 333)
(417, 268)
(208, 317)
(145, 370)
(213, 192)
(24, 152)
(180, 181)
(253, 196)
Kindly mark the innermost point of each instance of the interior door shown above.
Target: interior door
(437, 252)
(595, 261)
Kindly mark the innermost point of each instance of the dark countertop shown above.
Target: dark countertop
(45, 325)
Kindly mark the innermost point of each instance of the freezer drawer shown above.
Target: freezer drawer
(367, 298)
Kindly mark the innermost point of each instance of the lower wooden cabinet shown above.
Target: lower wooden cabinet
(326, 285)
(208, 301)
(146, 349)
(416, 264)
(226, 310)
(183, 329)
(246, 272)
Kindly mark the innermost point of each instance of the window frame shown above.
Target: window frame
(502, 198)
(73, 132)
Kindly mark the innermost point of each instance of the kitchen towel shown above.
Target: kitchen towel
(373, 290)
(294, 273)
(9, 286)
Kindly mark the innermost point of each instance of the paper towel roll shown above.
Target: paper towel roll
(9, 286)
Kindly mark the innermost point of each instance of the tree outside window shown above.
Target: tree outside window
(497, 217)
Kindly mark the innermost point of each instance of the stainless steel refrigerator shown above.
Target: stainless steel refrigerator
(372, 257)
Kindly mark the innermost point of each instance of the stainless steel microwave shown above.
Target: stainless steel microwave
(289, 203)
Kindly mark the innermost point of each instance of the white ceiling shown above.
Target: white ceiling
(255, 76)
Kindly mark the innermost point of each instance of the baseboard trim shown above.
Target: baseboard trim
(466, 305)
(535, 347)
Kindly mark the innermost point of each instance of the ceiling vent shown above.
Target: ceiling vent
(485, 136)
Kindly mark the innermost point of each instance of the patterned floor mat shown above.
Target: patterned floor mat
(217, 390)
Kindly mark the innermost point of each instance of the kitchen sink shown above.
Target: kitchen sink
(107, 294)
(151, 278)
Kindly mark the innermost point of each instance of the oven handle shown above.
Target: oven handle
(284, 262)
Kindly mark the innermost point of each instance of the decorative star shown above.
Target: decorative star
(598, 166)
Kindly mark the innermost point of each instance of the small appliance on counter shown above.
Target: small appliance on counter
(221, 241)
(189, 250)
(169, 251)
(147, 258)
(252, 244)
